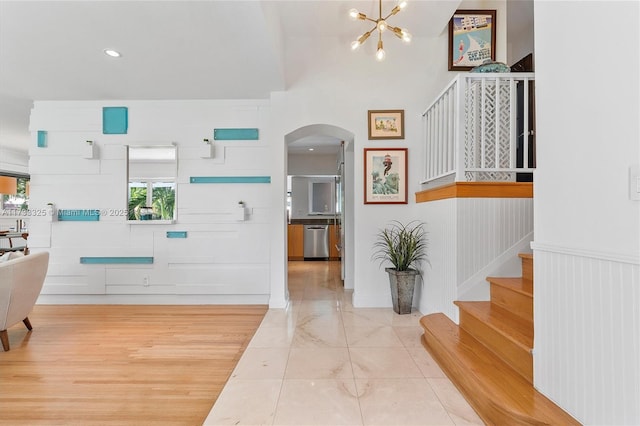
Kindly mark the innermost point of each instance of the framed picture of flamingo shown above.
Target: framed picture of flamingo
(385, 175)
(472, 39)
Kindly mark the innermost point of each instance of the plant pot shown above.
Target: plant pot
(402, 285)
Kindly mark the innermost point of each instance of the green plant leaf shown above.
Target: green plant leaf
(402, 245)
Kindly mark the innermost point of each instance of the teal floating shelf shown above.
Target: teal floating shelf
(116, 260)
(42, 138)
(78, 215)
(235, 134)
(176, 234)
(230, 179)
(115, 120)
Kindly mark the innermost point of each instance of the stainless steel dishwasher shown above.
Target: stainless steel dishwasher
(316, 242)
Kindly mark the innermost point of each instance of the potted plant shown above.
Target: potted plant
(404, 246)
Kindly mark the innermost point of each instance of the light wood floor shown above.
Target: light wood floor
(121, 365)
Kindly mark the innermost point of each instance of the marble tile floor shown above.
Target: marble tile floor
(324, 362)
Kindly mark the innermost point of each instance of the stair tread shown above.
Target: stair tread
(507, 323)
(496, 391)
(518, 284)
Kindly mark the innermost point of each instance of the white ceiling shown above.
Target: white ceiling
(53, 50)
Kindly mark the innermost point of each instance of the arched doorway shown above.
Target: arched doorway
(323, 138)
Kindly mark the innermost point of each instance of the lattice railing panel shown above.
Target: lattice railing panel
(472, 131)
(488, 130)
(504, 125)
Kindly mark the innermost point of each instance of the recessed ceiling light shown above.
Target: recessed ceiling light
(112, 53)
(310, 149)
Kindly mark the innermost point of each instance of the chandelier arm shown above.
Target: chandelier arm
(389, 16)
(366, 18)
(366, 35)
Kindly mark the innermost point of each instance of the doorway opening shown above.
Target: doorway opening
(320, 159)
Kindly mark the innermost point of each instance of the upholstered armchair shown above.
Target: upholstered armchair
(21, 281)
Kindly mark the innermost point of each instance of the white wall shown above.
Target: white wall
(300, 197)
(312, 164)
(519, 30)
(221, 261)
(13, 161)
(299, 165)
(587, 242)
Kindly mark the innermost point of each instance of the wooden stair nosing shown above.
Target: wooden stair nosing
(525, 256)
(502, 321)
(484, 379)
(516, 284)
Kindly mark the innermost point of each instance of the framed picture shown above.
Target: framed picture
(385, 175)
(472, 39)
(386, 124)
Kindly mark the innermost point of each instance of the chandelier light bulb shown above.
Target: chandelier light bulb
(355, 44)
(381, 25)
(406, 37)
(112, 53)
(402, 4)
(353, 14)
(380, 54)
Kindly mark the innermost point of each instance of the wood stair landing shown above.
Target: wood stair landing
(488, 356)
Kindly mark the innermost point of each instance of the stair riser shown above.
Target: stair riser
(527, 269)
(515, 302)
(516, 356)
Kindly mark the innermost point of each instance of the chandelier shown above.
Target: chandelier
(381, 25)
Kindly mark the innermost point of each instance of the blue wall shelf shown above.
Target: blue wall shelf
(176, 234)
(42, 138)
(235, 134)
(230, 179)
(84, 215)
(115, 120)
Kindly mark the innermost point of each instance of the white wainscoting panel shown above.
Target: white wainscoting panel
(487, 227)
(587, 339)
(439, 289)
(465, 236)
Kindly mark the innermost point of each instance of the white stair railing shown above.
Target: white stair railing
(471, 129)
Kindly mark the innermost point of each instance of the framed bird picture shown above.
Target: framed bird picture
(385, 175)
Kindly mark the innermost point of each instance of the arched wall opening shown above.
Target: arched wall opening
(344, 140)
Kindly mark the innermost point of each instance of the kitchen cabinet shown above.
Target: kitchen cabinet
(334, 240)
(295, 241)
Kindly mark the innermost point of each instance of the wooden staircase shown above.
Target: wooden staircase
(488, 356)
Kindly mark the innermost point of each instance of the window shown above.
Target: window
(152, 183)
(14, 193)
(150, 200)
